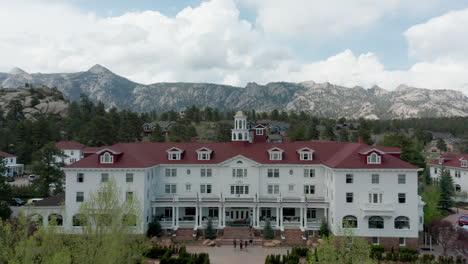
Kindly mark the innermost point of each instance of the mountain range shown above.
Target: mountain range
(321, 99)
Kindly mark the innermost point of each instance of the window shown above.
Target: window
(375, 241)
(311, 213)
(349, 178)
(402, 198)
(350, 221)
(206, 172)
(374, 158)
(80, 177)
(129, 177)
(204, 155)
(239, 172)
(435, 170)
(402, 222)
(190, 211)
(276, 155)
(309, 189)
(170, 188)
(375, 197)
(205, 188)
(174, 154)
(375, 179)
(273, 173)
(188, 187)
(457, 188)
(107, 158)
(129, 196)
(305, 155)
(213, 212)
(239, 189)
(291, 187)
(376, 222)
(79, 197)
(104, 177)
(171, 172)
(72, 160)
(309, 173)
(402, 242)
(457, 174)
(349, 197)
(464, 163)
(265, 212)
(259, 131)
(401, 179)
(273, 188)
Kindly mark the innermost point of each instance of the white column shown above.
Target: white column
(220, 215)
(305, 217)
(281, 217)
(257, 216)
(200, 216)
(196, 216)
(173, 216)
(277, 216)
(177, 216)
(301, 215)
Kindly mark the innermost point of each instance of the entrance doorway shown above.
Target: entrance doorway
(239, 216)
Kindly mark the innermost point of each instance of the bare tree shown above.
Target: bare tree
(444, 232)
(462, 241)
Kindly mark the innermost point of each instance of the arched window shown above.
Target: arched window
(240, 136)
(55, 220)
(350, 221)
(79, 220)
(402, 222)
(457, 187)
(129, 220)
(376, 222)
(107, 158)
(373, 158)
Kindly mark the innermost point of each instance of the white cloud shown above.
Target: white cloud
(210, 43)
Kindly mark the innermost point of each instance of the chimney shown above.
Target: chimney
(360, 140)
(286, 140)
(193, 139)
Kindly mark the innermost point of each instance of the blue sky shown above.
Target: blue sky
(356, 42)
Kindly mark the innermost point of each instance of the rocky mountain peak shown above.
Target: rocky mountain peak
(17, 71)
(99, 69)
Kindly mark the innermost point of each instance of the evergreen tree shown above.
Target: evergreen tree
(47, 164)
(297, 132)
(210, 232)
(154, 228)
(344, 135)
(15, 111)
(157, 134)
(268, 232)
(329, 133)
(223, 132)
(5, 192)
(446, 189)
(312, 132)
(274, 115)
(324, 231)
(441, 145)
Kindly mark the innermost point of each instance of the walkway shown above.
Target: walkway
(227, 254)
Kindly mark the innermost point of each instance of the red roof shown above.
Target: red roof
(450, 160)
(93, 149)
(6, 155)
(69, 145)
(330, 153)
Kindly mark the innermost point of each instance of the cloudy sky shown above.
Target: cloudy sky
(422, 43)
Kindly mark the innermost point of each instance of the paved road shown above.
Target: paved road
(227, 255)
(454, 217)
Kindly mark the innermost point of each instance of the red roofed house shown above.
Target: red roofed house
(72, 150)
(12, 168)
(294, 185)
(456, 164)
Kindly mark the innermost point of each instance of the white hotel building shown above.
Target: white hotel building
(296, 185)
(456, 165)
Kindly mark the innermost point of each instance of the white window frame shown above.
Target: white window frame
(129, 177)
(464, 163)
(206, 172)
(403, 195)
(102, 177)
(401, 178)
(373, 181)
(78, 177)
(239, 189)
(375, 197)
(305, 155)
(188, 187)
(273, 173)
(400, 243)
(351, 195)
(276, 155)
(351, 177)
(170, 188)
(206, 188)
(239, 172)
(375, 243)
(457, 174)
(309, 173)
(82, 197)
(291, 187)
(273, 189)
(259, 131)
(107, 158)
(171, 172)
(309, 189)
(374, 158)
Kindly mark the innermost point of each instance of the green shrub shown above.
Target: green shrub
(210, 232)
(300, 251)
(376, 251)
(268, 232)
(154, 228)
(411, 251)
(324, 231)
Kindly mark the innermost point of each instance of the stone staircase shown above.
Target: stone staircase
(294, 236)
(184, 234)
(231, 232)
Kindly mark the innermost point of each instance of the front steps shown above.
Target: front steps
(184, 234)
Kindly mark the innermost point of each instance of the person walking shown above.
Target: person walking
(245, 244)
(234, 243)
(240, 244)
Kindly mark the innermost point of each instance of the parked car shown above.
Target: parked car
(32, 177)
(17, 202)
(34, 200)
(463, 220)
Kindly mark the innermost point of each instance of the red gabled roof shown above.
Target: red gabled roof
(330, 153)
(450, 160)
(6, 155)
(93, 149)
(69, 145)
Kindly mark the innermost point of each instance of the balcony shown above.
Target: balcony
(382, 209)
(239, 199)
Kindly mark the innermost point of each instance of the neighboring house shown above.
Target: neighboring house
(275, 138)
(294, 185)
(12, 168)
(452, 144)
(72, 151)
(456, 164)
(165, 126)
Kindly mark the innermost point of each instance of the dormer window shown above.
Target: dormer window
(464, 163)
(441, 160)
(374, 158)
(107, 158)
(204, 154)
(174, 154)
(305, 154)
(259, 131)
(276, 154)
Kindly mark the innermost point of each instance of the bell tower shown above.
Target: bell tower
(240, 131)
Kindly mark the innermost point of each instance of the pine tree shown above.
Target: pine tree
(210, 232)
(154, 228)
(446, 189)
(268, 232)
(157, 134)
(344, 135)
(324, 231)
(441, 145)
(5, 192)
(46, 166)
